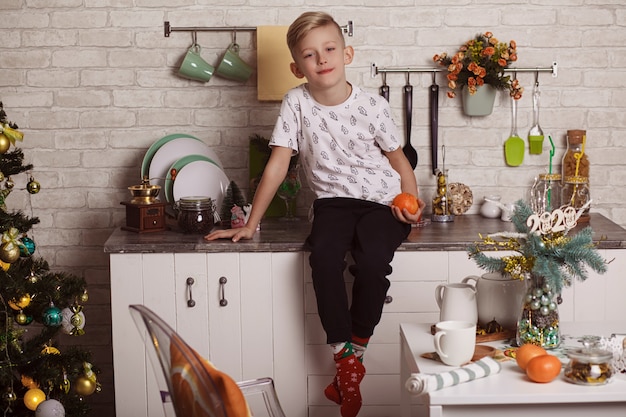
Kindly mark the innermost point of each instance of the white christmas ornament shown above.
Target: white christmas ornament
(73, 320)
(50, 408)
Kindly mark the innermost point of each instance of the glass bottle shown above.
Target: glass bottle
(571, 165)
(545, 194)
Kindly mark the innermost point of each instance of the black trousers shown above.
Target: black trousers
(371, 234)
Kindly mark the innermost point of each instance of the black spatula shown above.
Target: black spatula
(434, 122)
(409, 151)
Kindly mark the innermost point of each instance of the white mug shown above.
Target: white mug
(455, 341)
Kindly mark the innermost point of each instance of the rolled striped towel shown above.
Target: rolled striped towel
(423, 383)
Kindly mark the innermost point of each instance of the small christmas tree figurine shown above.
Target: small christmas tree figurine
(34, 373)
(233, 197)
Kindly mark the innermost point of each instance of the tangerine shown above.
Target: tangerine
(406, 201)
(526, 352)
(543, 368)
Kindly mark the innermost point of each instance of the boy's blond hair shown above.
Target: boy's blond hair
(305, 23)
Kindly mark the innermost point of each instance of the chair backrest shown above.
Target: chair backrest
(184, 372)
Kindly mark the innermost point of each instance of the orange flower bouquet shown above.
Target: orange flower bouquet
(480, 61)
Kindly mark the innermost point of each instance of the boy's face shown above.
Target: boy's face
(321, 57)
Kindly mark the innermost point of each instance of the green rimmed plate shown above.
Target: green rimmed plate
(195, 175)
(152, 150)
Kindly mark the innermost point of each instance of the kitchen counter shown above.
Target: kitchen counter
(282, 236)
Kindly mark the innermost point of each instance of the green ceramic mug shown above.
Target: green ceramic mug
(232, 67)
(194, 66)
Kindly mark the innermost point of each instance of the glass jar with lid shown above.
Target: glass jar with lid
(545, 194)
(589, 365)
(196, 214)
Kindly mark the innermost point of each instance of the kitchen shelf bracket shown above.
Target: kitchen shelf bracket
(375, 70)
(168, 29)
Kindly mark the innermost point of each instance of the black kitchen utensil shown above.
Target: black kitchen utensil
(384, 89)
(434, 122)
(409, 151)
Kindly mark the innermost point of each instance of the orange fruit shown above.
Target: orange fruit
(526, 352)
(543, 368)
(406, 201)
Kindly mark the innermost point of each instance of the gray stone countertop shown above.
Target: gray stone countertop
(283, 236)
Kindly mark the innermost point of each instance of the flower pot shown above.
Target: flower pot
(479, 103)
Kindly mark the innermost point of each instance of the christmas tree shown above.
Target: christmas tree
(35, 305)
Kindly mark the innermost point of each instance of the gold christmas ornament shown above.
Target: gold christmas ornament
(84, 297)
(21, 303)
(50, 350)
(32, 277)
(65, 385)
(21, 318)
(9, 252)
(33, 186)
(85, 386)
(33, 397)
(5, 143)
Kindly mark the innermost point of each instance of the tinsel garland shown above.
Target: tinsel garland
(556, 256)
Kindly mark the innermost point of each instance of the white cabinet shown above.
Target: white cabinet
(250, 324)
(270, 326)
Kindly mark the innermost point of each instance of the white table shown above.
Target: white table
(509, 392)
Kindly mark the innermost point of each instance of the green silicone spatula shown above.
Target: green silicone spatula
(514, 146)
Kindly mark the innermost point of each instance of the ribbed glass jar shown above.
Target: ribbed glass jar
(545, 195)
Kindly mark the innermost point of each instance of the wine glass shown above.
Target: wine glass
(288, 190)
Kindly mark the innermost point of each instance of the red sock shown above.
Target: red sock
(359, 345)
(344, 389)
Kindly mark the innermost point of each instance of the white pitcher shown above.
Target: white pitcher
(499, 298)
(457, 302)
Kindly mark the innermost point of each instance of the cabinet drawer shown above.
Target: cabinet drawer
(153, 222)
(419, 266)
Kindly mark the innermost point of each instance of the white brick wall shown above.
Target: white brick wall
(92, 85)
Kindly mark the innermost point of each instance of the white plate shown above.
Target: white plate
(174, 150)
(200, 178)
(145, 165)
(174, 169)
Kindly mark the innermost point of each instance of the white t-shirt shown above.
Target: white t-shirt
(341, 146)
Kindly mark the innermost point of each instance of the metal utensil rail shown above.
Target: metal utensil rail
(167, 28)
(375, 70)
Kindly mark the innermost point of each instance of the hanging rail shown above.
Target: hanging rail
(167, 28)
(375, 70)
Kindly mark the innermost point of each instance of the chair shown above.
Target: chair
(191, 386)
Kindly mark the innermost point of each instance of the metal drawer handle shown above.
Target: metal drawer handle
(388, 299)
(190, 301)
(223, 300)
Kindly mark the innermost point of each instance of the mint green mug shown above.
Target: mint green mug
(232, 67)
(194, 66)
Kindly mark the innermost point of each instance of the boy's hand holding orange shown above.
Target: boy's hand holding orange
(406, 201)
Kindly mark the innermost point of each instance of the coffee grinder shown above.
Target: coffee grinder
(144, 212)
